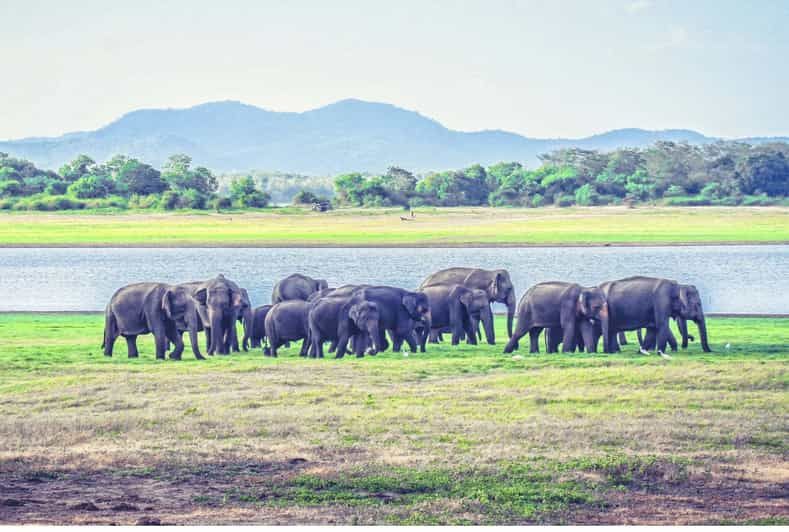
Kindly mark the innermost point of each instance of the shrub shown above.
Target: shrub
(538, 200)
(305, 197)
(150, 201)
(10, 187)
(565, 200)
(92, 186)
(170, 200)
(222, 203)
(6, 204)
(688, 201)
(55, 188)
(755, 201)
(587, 195)
(674, 191)
(192, 199)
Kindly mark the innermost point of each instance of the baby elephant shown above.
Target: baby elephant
(286, 322)
(457, 309)
(255, 332)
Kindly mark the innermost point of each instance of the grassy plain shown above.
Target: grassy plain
(383, 227)
(456, 435)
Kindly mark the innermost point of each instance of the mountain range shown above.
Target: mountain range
(349, 135)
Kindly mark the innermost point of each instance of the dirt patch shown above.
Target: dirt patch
(741, 493)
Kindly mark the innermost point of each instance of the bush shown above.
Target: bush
(170, 200)
(92, 186)
(674, 191)
(55, 188)
(760, 200)
(537, 200)
(222, 203)
(6, 204)
(150, 201)
(192, 199)
(565, 200)
(688, 201)
(10, 187)
(305, 197)
(587, 195)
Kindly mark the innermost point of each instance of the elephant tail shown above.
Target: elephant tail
(110, 329)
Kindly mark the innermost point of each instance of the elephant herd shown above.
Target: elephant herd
(357, 318)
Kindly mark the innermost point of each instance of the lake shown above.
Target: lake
(731, 279)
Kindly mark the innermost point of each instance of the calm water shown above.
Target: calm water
(731, 278)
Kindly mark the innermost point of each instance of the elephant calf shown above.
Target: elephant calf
(459, 310)
(287, 321)
(255, 329)
(332, 317)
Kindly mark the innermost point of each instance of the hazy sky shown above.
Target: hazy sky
(543, 69)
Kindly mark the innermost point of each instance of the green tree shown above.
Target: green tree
(245, 193)
(134, 177)
(92, 186)
(79, 167)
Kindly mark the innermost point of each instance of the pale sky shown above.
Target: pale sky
(542, 69)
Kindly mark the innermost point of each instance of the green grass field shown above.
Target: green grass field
(383, 227)
(456, 435)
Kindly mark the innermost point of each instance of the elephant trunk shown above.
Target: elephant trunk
(510, 311)
(702, 324)
(217, 334)
(195, 342)
(372, 330)
(248, 319)
(486, 315)
(605, 327)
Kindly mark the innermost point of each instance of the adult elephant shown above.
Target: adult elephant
(156, 308)
(457, 309)
(220, 302)
(400, 311)
(255, 329)
(362, 319)
(559, 304)
(690, 308)
(297, 286)
(641, 302)
(287, 321)
(496, 283)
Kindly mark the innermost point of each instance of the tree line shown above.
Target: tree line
(722, 173)
(674, 173)
(121, 182)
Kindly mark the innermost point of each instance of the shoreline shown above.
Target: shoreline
(356, 245)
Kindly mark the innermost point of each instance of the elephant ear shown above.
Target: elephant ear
(201, 295)
(353, 313)
(583, 303)
(466, 297)
(409, 302)
(167, 306)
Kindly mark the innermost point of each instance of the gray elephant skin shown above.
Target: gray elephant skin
(220, 300)
(458, 309)
(297, 286)
(496, 283)
(361, 320)
(560, 305)
(156, 308)
(641, 302)
(285, 322)
(400, 310)
(255, 329)
(690, 308)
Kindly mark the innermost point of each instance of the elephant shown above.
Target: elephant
(255, 329)
(496, 283)
(220, 301)
(360, 317)
(640, 302)
(287, 321)
(560, 304)
(458, 309)
(156, 308)
(400, 311)
(243, 311)
(296, 286)
(690, 308)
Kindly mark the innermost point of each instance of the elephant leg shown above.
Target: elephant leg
(109, 343)
(649, 340)
(434, 334)
(640, 338)
(534, 339)
(568, 337)
(682, 325)
(131, 346)
(208, 347)
(524, 324)
(622, 338)
(305, 347)
(672, 340)
(160, 341)
(178, 340)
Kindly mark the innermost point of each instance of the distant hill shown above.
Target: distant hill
(344, 136)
